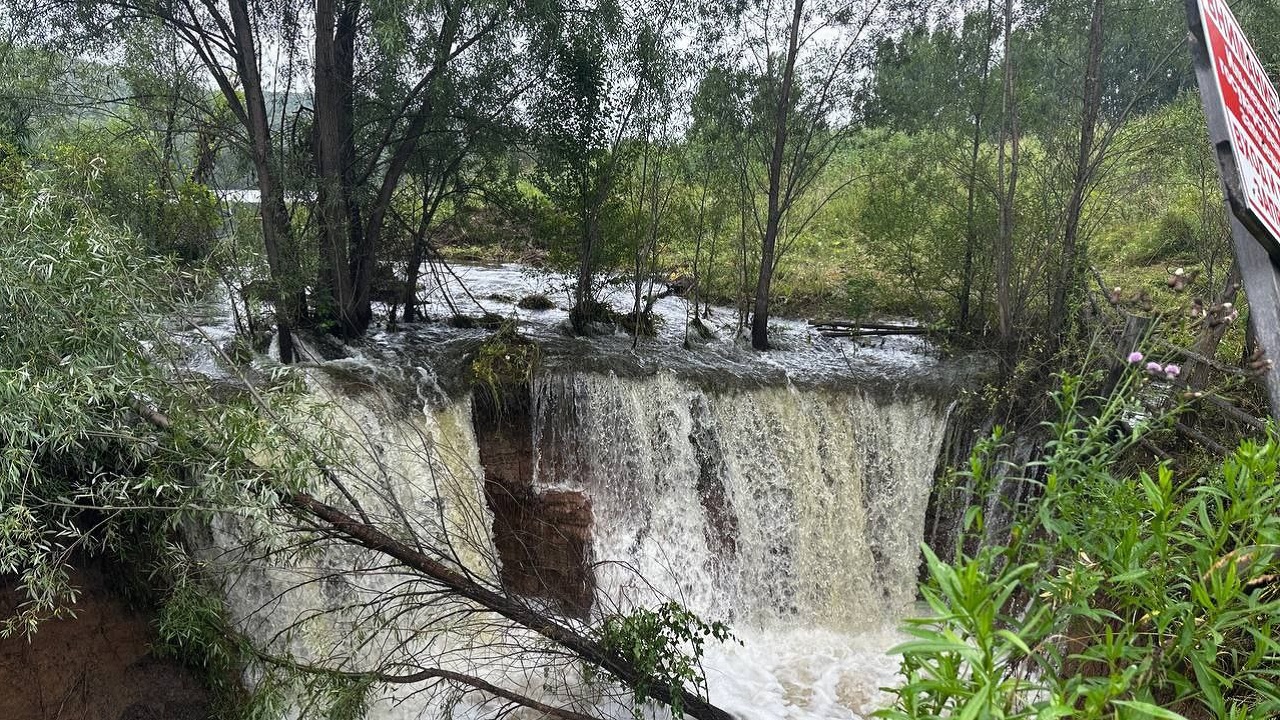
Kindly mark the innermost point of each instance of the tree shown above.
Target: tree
(361, 142)
(603, 63)
(93, 465)
(939, 77)
(805, 63)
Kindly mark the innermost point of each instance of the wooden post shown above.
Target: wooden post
(1255, 249)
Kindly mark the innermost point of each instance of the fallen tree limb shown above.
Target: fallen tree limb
(366, 535)
(424, 675)
(871, 332)
(1201, 438)
(1234, 412)
(850, 324)
(585, 648)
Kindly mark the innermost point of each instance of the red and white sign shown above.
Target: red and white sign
(1252, 110)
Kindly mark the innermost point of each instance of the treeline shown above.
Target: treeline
(970, 163)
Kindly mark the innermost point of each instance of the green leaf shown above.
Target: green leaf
(1015, 640)
(1154, 711)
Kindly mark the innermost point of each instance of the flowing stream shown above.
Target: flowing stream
(783, 494)
(795, 515)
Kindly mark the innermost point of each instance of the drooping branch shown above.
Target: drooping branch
(589, 650)
(338, 524)
(427, 674)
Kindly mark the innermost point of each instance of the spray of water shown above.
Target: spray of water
(793, 514)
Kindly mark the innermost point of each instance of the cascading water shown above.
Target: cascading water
(794, 514)
(784, 493)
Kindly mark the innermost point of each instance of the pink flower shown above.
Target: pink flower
(1154, 368)
(1135, 357)
(1171, 371)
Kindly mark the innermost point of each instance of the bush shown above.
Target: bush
(175, 216)
(536, 301)
(665, 645)
(1114, 597)
(505, 360)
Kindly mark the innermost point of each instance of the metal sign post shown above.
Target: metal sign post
(1243, 114)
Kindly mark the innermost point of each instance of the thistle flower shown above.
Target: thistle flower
(1171, 371)
(1135, 357)
(1155, 368)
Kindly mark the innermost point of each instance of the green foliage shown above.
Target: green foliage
(665, 645)
(505, 360)
(84, 354)
(12, 169)
(176, 216)
(1115, 597)
(192, 628)
(75, 302)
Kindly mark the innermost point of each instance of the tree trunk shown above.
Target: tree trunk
(773, 221)
(583, 295)
(367, 234)
(1064, 287)
(290, 300)
(337, 214)
(1008, 191)
(206, 157)
(418, 254)
(971, 229)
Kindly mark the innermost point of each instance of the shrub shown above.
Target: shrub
(1115, 597)
(506, 359)
(666, 645)
(536, 301)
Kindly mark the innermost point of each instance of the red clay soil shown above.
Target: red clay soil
(543, 538)
(97, 666)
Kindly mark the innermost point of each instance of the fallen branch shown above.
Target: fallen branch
(863, 325)
(851, 333)
(366, 535)
(1234, 412)
(1201, 438)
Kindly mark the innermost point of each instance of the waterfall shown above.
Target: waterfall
(794, 514)
(769, 506)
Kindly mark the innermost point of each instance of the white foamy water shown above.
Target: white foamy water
(795, 515)
(802, 356)
(791, 511)
(803, 673)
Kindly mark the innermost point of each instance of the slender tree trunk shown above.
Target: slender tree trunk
(695, 292)
(583, 295)
(365, 246)
(206, 157)
(1064, 286)
(430, 205)
(367, 233)
(338, 216)
(773, 220)
(290, 300)
(1008, 190)
(971, 228)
